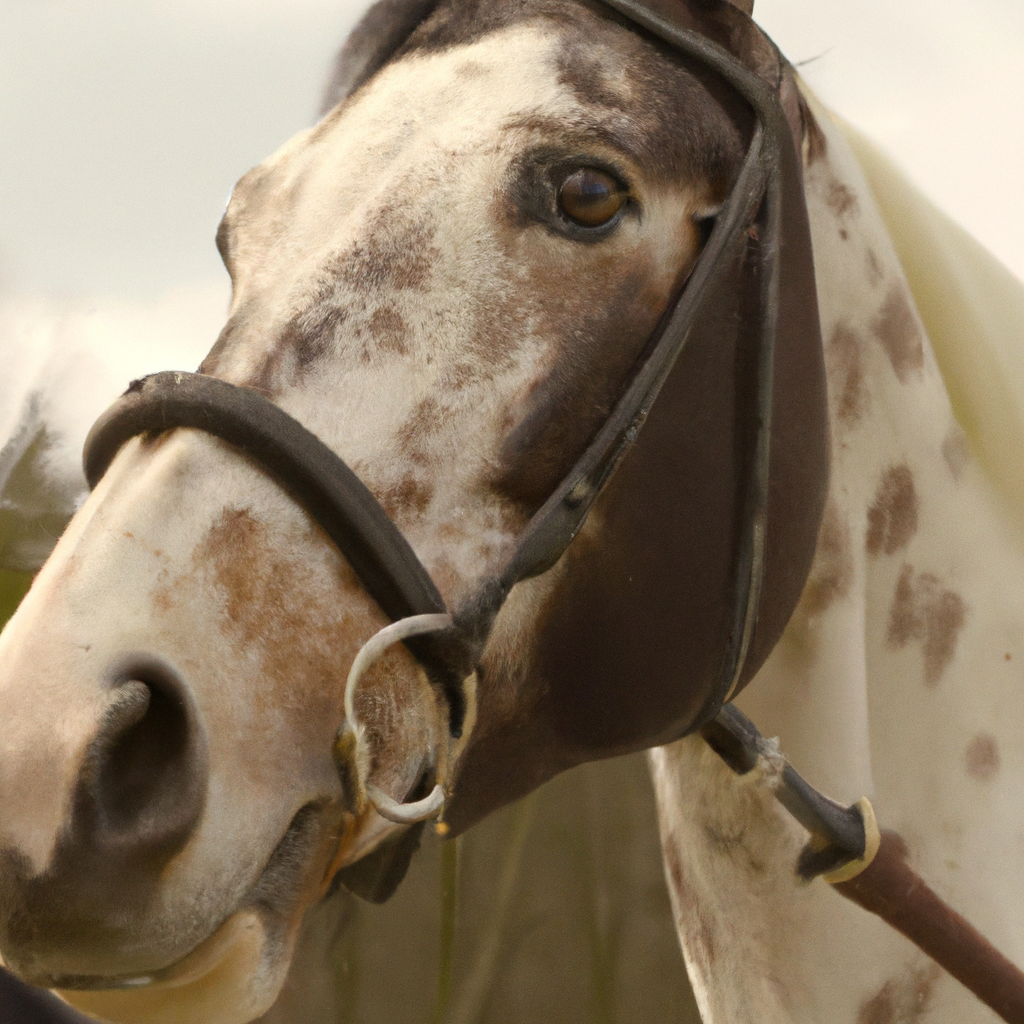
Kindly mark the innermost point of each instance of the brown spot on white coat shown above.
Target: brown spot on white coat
(841, 200)
(902, 1000)
(924, 612)
(982, 758)
(832, 572)
(846, 374)
(956, 451)
(899, 331)
(892, 517)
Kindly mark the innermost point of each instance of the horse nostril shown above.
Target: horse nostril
(144, 782)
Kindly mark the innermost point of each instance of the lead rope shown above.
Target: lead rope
(869, 867)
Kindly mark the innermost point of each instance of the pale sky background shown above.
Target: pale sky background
(124, 123)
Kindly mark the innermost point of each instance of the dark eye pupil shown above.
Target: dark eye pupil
(590, 197)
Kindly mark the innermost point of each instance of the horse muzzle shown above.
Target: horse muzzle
(128, 789)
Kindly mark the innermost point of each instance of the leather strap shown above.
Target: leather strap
(883, 883)
(317, 479)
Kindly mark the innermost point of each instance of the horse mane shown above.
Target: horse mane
(972, 308)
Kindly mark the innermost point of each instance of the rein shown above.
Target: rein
(846, 845)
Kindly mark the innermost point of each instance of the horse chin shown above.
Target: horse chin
(230, 978)
(235, 973)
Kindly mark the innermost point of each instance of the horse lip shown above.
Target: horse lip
(200, 960)
(203, 957)
(89, 983)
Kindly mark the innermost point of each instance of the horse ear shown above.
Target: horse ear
(380, 32)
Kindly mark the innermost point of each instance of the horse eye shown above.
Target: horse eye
(590, 197)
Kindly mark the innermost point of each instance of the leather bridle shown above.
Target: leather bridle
(344, 508)
(321, 483)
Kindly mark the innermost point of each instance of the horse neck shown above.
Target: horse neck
(897, 678)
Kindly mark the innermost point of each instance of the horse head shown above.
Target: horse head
(451, 281)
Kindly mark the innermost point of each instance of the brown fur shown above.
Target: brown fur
(902, 1000)
(892, 517)
(846, 366)
(657, 84)
(923, 612)
(832, 574)
(897, 328)
(982, 758)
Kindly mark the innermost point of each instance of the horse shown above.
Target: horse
(458, 314)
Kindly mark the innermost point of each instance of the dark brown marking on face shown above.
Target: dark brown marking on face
(396, 253)
(923, 612)
(311, 337)
(599, 331)
(841, 200)
(610, 67)
(902, 1000)
(583, 71)
(268, 603)
(428, 418)
(846, 374)
(497, 333)
(892, 518)
(388, 329)
(280, 606)
(407, 498)
(832, 572)
(981, 757)
(896, 327)
(306, 337)
(956, 451)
